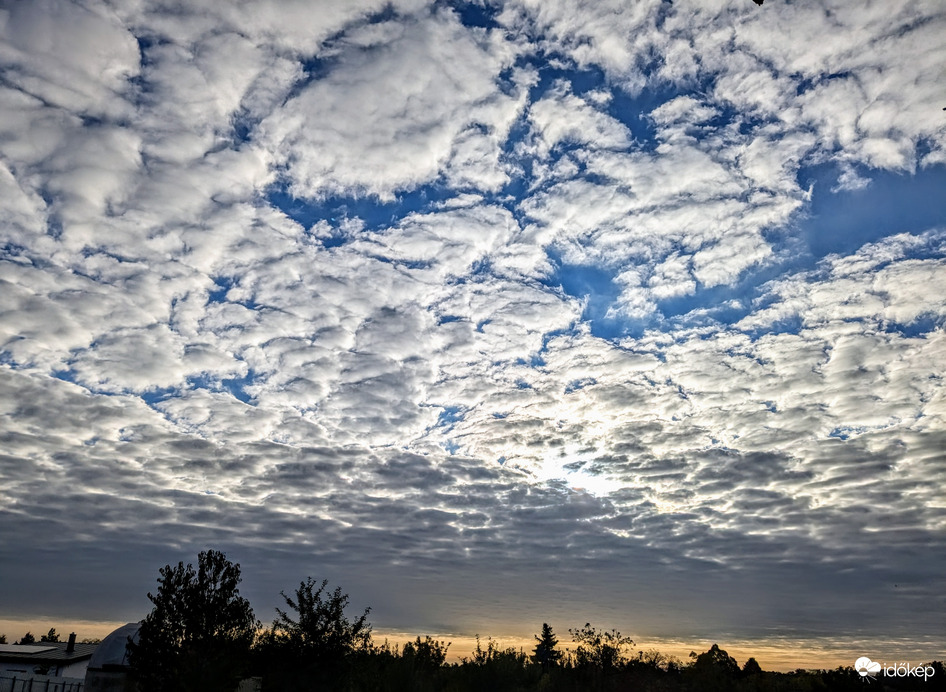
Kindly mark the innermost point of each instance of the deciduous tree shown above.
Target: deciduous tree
(198, 635)
(751, 667)
(713, 670)
(716, 659)
(320, 630)
(600, 649)
(426, 654)
(312, 643)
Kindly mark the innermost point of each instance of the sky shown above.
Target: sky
(492, 313)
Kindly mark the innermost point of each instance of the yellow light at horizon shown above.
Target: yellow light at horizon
(772, 654)
(38, 626)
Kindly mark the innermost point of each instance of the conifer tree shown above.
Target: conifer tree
(545, 653)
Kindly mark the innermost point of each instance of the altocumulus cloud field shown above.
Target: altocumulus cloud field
(490, 312)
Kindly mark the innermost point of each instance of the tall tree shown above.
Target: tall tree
(545, 653)
(198, 635)
(51, 636)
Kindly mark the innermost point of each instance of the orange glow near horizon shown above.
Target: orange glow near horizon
(776, 654)
(38, 626)
(781, 655)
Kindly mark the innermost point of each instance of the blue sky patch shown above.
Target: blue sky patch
(375, 213)
(634, 111)
(449, 416)
(596, 286)
(237, 386)
(218, 294)
(843, 221)
(156, 395)
(920, 327)
(473, 14)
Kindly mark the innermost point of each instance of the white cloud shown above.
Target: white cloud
(563, 117)
(611, 35)
(394, 102)
(69, 55)
(672, 278)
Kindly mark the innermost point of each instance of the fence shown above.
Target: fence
(38, 683)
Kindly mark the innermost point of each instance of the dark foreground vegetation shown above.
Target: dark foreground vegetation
(202, 636)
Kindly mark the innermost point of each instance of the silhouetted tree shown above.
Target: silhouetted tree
(939, 676)
(545, 653)
(3, 639)
(321, 632)
(652, 658)
(311, 643)
(427, 654)
(717, 659)
(713, 670)
(27, 638)
(494, 668)
(199, 633)
(51, 636)
(751, 667)
(604, 650)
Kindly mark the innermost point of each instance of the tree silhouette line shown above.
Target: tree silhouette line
(52, 637)
(202, 636)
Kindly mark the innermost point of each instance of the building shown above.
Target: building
(108, 670)
(63, 662)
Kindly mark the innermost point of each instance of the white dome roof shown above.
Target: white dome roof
(113, 651)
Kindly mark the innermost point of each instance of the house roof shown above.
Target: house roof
(45, 652)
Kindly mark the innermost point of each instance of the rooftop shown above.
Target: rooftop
(45, 652)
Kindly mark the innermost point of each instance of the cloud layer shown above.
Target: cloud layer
(452, 303)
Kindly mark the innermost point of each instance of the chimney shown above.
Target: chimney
(71, 646)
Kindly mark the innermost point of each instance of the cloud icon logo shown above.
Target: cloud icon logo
(865, 667)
